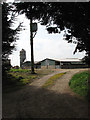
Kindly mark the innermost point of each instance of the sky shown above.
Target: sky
(45, 45)
(49, 0)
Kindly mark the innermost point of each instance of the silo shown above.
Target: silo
(22, 57)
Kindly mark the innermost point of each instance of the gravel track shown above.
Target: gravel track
(57, 101)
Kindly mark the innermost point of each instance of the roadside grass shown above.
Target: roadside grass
(79, 84)
(51, 81)
(18, 78)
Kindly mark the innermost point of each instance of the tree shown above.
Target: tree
(75, 17)
(72, 16)
(32, 12)
(8, 36)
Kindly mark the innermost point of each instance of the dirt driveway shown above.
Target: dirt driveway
(57, 101)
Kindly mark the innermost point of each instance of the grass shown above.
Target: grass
(51, 81)
(79, 84)
(18, 78)
(19, 70)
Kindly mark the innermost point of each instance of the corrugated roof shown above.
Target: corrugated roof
(60, 60)
(70, 59)
(66, 59)
(36, 62)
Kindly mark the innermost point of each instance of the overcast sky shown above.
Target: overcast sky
(45, 45)
(48, 0)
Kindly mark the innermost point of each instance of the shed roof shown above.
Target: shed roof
(70, 59)
(58, 60)
(65, 59)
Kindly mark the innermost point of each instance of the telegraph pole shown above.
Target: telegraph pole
(33, 28)
(31, 42)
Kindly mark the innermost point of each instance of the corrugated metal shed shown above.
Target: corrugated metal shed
(69, 59)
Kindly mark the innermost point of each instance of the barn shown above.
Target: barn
(70, 63)
(67, 63)
(50, 63)
(26, 65)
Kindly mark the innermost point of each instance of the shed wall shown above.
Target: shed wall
(47, 62)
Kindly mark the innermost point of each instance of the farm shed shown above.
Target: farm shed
(50, 63)
(67, 63)
(26, 65)
(70, 63)
(37, 64)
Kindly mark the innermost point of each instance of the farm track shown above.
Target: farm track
(57, 101)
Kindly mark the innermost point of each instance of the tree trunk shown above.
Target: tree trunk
(31, 41)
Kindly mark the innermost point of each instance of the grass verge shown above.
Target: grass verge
(18, 78)
(51, 81)
(79, 84)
